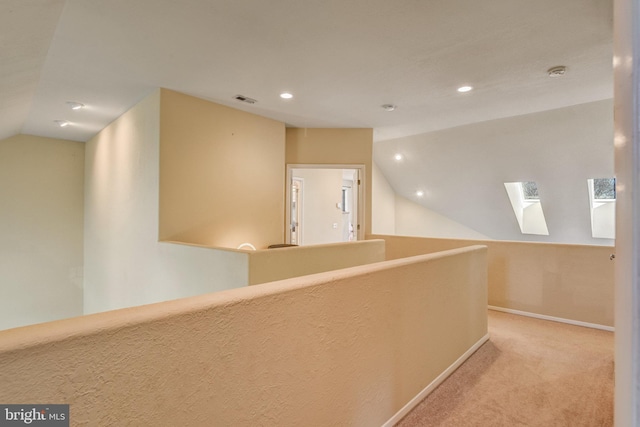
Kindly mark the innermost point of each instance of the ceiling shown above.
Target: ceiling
(340, 59)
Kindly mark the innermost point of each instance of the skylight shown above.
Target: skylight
(602, 206)
(525, 201)
(604, 188)
(530, 190)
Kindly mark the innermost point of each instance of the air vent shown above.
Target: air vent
(245, 99)
(558, 71)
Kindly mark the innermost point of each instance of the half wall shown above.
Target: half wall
(340, 348)
(569, 282)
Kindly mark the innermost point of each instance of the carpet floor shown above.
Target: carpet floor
(530, 373)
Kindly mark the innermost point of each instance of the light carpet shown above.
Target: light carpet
(530, 373)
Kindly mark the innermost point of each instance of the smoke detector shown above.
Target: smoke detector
(557, 71)
(389, 107)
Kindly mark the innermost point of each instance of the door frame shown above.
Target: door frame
(300, 208)
(626, 53)
(360, 227)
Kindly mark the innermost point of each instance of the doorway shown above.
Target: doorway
(297, 191)
(323, 204)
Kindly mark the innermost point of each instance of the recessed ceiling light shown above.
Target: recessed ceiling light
(419, 193)
(75, 105)
(286, 95)
(557, 71)
(62, 123)
(398, 157)
(389, 107)
(463, 89)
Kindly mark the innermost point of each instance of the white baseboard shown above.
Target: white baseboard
(435, 383)
(553, 319)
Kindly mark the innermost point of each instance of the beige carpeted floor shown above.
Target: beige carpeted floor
(531, 373)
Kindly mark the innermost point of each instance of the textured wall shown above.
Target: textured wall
(345, 348)
(41, 221)
(276, 264)
(573, 282)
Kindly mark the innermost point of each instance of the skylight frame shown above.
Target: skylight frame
(602, 212)
(528, 212)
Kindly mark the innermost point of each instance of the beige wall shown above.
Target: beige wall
(267, 265)
(41, 221)
(222, 174)
(413, 219)
(283, 263)
(572, 282)
(334, 146)
(383, 204)
(125, 265)
(339, 348)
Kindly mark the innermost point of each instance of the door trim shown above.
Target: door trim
(360, 227)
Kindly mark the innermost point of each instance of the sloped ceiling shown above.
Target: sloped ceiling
(462, 170)
(26, 31)
(341, 59)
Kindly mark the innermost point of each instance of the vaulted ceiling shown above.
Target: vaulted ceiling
(342, 60)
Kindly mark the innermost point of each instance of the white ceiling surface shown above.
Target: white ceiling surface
(341, 59)
(26, 30)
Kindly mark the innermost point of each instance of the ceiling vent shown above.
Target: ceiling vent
(245, 99)
(558, 71)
